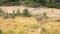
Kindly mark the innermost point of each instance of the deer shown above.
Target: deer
(40, 20)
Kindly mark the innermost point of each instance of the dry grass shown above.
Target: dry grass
(24, 25)
(28, 25)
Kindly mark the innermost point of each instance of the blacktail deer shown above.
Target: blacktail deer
(38, 18)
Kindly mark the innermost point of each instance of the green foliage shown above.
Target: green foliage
(1, 32)
(6, 1)
(35, 26)
(13, 14)
(18, 13)
(45, 15)
(1, 12)
(9, 1)
(1, 1)
(50, 5)
(16, 3)
(26, 13)
(10, 15)
(37, 3)
(9, 32)
(13, 0)
(44, 31)
(57, 5)
(31, 3)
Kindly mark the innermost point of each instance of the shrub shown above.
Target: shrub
(57, 5)
(18, 13)
(44, 31)
(6, 1)
(1, 32)
(35, 26)
(16, 3)
(13, 0)
(31, 3)
(26, 13)
(1, 12)
(1, 1)
(50, 5)
(9, 2)
(10, 15)
(45, 15)
(13, 14)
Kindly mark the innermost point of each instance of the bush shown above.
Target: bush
(13, 14)
(45, 15)
(18, 13)
(6, 1)
(16, 3)
(13, 0)
(26, 13)
(31, 3)
(1, 12)
(9, 2)
(34, 26)
(44, 31)
(1, 0)
(9, 15)
(57, 5)
(1, 32)
(50, 5)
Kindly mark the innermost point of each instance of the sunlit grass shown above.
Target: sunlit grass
(24, 25)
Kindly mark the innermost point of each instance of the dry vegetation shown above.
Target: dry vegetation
(24, 25)
(30, 25)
